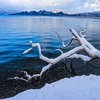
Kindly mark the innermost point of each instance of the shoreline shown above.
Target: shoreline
(59, 71)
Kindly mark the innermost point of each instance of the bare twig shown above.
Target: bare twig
(63, 44)
(60, 50)
(83, 31)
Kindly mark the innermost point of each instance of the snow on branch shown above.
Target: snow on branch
(83, 31)
(83, 57)
(90, 50)
(63, 44)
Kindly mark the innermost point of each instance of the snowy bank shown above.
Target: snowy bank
(77, 88)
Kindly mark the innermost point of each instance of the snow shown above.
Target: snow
(75, 88)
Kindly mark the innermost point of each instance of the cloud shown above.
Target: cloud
(93, 4)
(96, 4)
(31, 4)
(69, 6)
(86, 4)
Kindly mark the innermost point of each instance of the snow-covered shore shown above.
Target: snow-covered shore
(76, 88)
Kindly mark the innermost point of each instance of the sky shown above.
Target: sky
(68, 6)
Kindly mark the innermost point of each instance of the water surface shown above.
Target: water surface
(17, 31)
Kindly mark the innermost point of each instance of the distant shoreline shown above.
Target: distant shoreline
(53, 16)
(95, 14)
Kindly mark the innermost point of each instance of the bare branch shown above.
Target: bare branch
(63, 44)
(60, 50)
(80, 27)
(17, 78)
(86, 26)
(83, 57)
(59, 36)
(69, 42)
(83, 31)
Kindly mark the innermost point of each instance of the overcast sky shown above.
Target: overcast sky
(69, 6)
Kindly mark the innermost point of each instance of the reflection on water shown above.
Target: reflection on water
(16, 32)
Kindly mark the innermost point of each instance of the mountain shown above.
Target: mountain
(7, 12)
(49, 13)
(87, 14)
(2, 13)
(42, 13)
(58, 13)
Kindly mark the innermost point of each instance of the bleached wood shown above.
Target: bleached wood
(87, 47)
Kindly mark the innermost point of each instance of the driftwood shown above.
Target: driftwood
(89, 49)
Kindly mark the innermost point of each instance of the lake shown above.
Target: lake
(17, 31)
(15, 34)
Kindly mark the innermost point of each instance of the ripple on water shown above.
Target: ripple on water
(16, 32)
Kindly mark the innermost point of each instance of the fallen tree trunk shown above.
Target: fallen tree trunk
(89, 49)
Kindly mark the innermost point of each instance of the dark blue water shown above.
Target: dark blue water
(17, 31)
